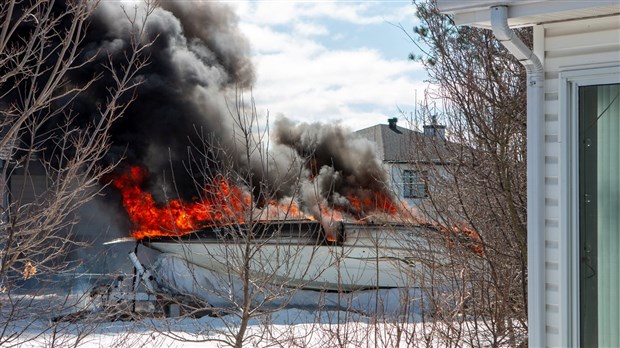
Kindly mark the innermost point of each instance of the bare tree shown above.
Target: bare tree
(50, 164)
(256, 250)
(255, 242)
(480, 191)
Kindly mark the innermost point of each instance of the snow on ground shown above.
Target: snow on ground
(287, 328)
(303, 318)
(284, 328)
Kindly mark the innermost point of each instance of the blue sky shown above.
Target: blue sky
(332, 61)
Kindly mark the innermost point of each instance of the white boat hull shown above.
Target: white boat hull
(369, 256)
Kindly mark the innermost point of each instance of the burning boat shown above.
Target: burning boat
(225, 233)
(298, 254)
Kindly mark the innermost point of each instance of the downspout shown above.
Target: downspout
(535, 173)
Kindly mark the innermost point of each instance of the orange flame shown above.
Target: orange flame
(378, 202)
(467, 237)
(222, 203)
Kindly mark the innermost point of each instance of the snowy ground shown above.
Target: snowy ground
(384, 318)
(285, 328)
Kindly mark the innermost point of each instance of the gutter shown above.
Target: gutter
(535, 173)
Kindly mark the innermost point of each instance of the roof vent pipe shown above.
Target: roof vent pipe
(535, 171)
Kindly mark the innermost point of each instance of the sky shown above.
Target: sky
(332, 61)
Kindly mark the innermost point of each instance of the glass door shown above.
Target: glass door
(599, 215)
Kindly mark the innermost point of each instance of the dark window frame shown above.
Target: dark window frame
(415, 183)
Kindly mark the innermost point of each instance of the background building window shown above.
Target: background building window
(414, 184)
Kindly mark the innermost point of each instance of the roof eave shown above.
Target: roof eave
(526, 13)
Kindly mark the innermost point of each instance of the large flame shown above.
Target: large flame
(223, 203)
(378, 201)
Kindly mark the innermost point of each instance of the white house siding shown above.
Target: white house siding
(396, 177)
(401, 149)
(572, 45)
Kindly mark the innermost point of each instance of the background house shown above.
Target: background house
(573, 161)
(410, 157)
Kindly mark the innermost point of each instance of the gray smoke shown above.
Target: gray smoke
(340, 167)
(197, 62)
(212, 31)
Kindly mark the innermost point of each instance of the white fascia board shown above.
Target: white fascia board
(527, 13)
(456, 6)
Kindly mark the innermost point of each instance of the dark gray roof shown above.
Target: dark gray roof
(405, 145)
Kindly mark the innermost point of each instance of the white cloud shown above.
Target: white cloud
(360, 13)
(354, 12)
(264, 39)
(300, 75)
(310, 29)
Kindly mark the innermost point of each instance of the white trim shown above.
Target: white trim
(570, 81)
(587, 76)
(525, 12)
(538, 33)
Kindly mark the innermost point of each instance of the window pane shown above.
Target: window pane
(599, 114)
(414, 185)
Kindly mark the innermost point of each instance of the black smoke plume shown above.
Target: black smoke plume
(198, 60)
(340, 167)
